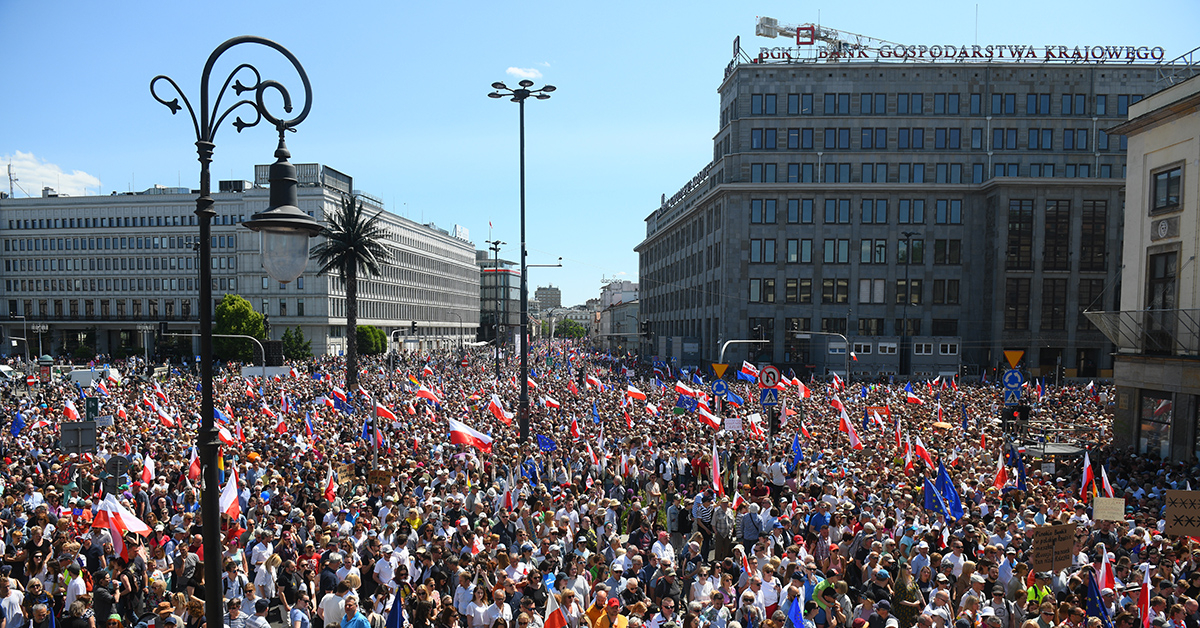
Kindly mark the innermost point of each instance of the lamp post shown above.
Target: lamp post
(285, 233)
(519, 95)
(905, 358)
(24, 336)
(494, 247)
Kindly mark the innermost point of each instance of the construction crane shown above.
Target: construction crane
(839, 44)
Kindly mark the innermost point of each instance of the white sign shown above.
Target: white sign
(768, 376)
(733, 423)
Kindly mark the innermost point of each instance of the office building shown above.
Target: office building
(499, 298)
(1157, 328)
(548, 297)
(931, 215)
(101, 270)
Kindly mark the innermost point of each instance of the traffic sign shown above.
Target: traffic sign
(719, 388)
(769, 396)
(1012, 397)
(104, 421)
(719, 369)
(30, 380)
(768, 376)
(1013, 379)
(465, 362)
(1013, 357)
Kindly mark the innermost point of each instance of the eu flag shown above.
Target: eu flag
(933, 499)
(1095, 604)
(945, 486)
(18, 424)
(545, 443)
(595, 413)
(797, 453)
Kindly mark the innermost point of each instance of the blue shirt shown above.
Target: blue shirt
(358, 621)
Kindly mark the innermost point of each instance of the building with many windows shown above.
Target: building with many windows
(932, 215)
(499, 298)
(1156, 330)
(96, 270)
(548, 297)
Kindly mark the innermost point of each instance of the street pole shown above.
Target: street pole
(519, 95)
(905, 357)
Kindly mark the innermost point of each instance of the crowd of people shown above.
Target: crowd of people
(612, 514)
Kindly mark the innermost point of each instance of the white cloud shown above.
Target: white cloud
(545, 64)
(525, 73)
(33, 173)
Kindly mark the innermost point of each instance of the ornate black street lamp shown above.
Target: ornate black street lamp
(285, 232)
(518, 96)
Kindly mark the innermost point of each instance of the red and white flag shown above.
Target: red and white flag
(908, 463)
(847, 426)
(111, 512)
(383, 412)
(708, 419)
(633, 392)
(158, 392)
(463, 434)
(1001, 475)
(555, 618)
(224, 435)
(1088, 476)
(924, 453)
(1108, 489)
(194, 466)
(551, 402)
(718, 485)
(684, 389)
(1144, 599)
(574, 428)
(651, 409)
(229, 496)
(498, 411)
(147, 469)
(749, 370)
(426, 393)
(69, 411)
(331, 486)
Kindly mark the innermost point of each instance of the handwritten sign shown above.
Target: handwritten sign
(733, 423)
(345, 473)
(380, 477)
(1108, 509)
(1052, 547)
(1183, 513)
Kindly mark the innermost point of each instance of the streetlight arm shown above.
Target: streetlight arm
(721, 357)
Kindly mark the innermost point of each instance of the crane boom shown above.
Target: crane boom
(839, 44)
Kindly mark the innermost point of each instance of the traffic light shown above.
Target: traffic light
(772, 422)
(1023, 415)
(645, 328)
(414, 328)
(1009, 417)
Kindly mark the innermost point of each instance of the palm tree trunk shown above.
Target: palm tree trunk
(352, 328)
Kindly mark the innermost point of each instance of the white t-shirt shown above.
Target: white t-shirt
(334, 608)
(13, 613)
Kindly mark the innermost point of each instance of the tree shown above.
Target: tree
(295, 347)
(371, 340)
(353, 244)
(235, 315)
(568, 328)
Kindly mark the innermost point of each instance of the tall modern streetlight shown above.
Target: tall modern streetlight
(905, 357)
(285, 232)
(494, 247)
(518, 96)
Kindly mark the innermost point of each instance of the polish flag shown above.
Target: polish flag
(532, 384)
(121, 414)
(267, 412)
(225, 436)
(805, 393)
(737, 500)
(118, 539)
(749, 370)
(1104, 572)
(591, 380)
(745, 563)
(1088, 476)
(898, 444)
(924, 453)
(164, 417)
(838, 384)
(592, 455)
(498, 411)
(463, 434)
(382, 412)
(847, 426)
(331, 486)
(194, 466)
(1001, 475)
(551, 402)
(718, 485)
(1108, 489)
(555, 618)
(280, 426)
(1144, 599)
(293, 372)
(708, 419)
(683, 389)
(148, 469)
(425, 393)
(240, 434)
(426, 371)
(908, 463)
(112, 513)
(69, 411)
(229, 496)
(574, 428)
(339, 393)
(652, 409)
(158, 392)
(628, 421)
(635, 393)
(249, 390)
(911, 398)
(837, 404)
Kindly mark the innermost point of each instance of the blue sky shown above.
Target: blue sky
(400, 98)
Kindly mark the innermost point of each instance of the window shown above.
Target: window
(1037, 104)
(948, 212)
(762, 251)
(806, 251)
(948, 252)
(1016, 303)
(874, 173)
(800, 210)
(837, 173)
(976, 139)
(762, 104)
(911, 173)
(762, 139)
(762, 211)
(1004, 104)
(755, 290)
(863, 348)
(837, 211)
(1056, 255)
(945, 291)
(835, 291)
(922, 348)
(1101, 105)
(910, 289)
(1161, 285)
(1054, 304)
(947, 139)
(1154, 429)
(887, 348)
(805, 291)
(1004, 170)
(948, 173)
(837, 251)
(910, 104)
(837, 139)
(762, 173)
(945, 104)
(913, 139)
(1090, 291)
(1123, 102)
(871, 290)
(800, 139)
(1075, 139)
(1040, 139)
(874, 139)
(912, 211)
(873, 251)
(800, 104)
(917, 248)
(1165, 190)
(1093, 234)
(976, 104)
(948, 348)
(1004, 139)
(1020, 236)
(1074, 104)
(837, 104)
(873, 104)
(874, 211)
(1081, 171)
(800, 173)
(768, 290)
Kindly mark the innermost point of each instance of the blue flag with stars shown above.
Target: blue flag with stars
(545, 443)
(797, 453)
(933, 499)
(1095, 603)
(595, 413)
(18, 424)
(945, 486)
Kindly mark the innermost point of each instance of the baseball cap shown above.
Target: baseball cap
(613, 603)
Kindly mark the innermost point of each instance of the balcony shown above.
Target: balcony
(1151, 332)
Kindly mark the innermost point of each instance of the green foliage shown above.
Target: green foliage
(235, 315)
(371, 340)
(83, 353)
(295, 347)
(568, 328)
(353, 243)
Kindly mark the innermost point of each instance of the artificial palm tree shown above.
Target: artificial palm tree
(353, 244)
